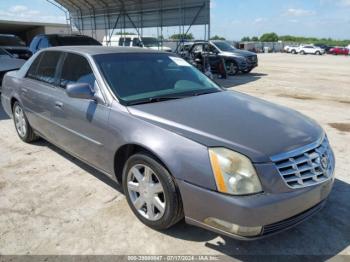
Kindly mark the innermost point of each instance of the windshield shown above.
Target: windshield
(75, 40)
(150, 42)
(4, 54)
(140, 78)
(224, 47)
(11, 41)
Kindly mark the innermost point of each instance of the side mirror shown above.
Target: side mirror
(80, 91)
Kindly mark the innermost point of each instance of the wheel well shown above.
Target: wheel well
(123, 154)
(13, 100)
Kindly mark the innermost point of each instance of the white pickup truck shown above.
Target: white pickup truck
(308, 49)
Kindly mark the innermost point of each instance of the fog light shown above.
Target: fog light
(232, 228)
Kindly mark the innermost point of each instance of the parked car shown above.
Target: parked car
(15, 46)
(8, 63)
(180, 145)
(339, 51)
(235, 60)
(135, 41)
(44, 41)
(289, 48)
(326, 48)
(307, 50)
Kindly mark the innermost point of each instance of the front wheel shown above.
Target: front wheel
(302, 52)
(318, 53)
(232, 68)
(24, 130)
(151, 192)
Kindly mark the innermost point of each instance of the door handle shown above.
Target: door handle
(58, 104)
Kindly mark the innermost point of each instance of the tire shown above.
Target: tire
(23, 128)
(302, 52)
(293, 52)
(140, 196)
(318, 53)
(232, 68)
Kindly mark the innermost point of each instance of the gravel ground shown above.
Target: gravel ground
(52, 204)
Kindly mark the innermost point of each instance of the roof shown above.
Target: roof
(100, 50)
(102, 14)
(16, 27)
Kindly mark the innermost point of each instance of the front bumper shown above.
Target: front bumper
(275, 212)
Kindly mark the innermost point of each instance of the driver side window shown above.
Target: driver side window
(76, 69)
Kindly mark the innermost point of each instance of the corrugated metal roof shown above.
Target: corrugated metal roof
(103, 14)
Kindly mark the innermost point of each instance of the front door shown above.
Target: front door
(83, 124)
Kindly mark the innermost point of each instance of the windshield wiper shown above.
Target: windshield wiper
(155, 99)
(206, 92)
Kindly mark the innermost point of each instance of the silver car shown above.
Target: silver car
(181, 146)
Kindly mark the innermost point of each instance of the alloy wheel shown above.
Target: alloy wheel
(146, 192)
(233, 69)
(20, 121)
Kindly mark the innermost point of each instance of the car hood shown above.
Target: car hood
(253, 127)
(7, 64)
(238, 52)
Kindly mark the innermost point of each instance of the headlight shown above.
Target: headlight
(234, 173)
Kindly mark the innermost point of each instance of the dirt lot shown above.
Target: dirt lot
(51, 203)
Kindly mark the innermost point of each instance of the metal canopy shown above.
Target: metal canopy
(118, 14)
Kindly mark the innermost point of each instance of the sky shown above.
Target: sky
(232, 19)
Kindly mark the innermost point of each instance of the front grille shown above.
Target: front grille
(290, 222)
(252, 59)
(306, 167)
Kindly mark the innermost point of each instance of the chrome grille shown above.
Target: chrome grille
(308, 166)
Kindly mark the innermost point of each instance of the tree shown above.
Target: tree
(182, 36)
(255, 39)
(246, 39)
(269, 37)
(216, 37)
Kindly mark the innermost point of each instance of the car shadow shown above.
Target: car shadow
(324, 235)
(99, 175)
(3, 115)
(239, 79)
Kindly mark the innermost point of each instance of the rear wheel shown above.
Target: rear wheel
(318, 53)
(293, 52)
(302, 52)
(151, 192)
(24, 130)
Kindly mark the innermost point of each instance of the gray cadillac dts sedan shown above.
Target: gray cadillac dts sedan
(181, 146)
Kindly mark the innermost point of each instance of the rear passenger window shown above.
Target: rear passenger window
(76, 69)
(34, 67)
(47, 67)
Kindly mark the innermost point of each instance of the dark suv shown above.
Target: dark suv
(235, 60)
(15, 46)
(44, 41)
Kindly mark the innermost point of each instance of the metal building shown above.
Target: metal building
(93, 16)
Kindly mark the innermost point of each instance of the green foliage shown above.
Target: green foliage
(182, 36)
(126, 33)
(216, 37)
(269, 37)
(313, 40)
(273, 37)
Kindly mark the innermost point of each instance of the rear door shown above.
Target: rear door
(38, 92)
(83, 124)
